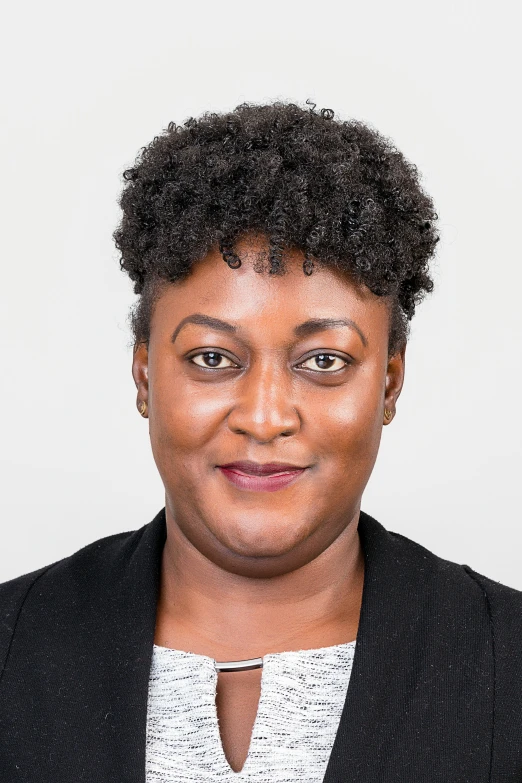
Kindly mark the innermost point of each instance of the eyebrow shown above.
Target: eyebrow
(204, 320)
(303, 330)
(320, 324)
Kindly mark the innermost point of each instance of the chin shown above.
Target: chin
(244, 543)
(260, 538)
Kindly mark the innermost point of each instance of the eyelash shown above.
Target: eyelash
(347, 362)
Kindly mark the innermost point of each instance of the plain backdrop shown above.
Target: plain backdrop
(85, 85)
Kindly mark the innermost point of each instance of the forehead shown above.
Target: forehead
(264, 303)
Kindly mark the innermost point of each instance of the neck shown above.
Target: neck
(204, 609)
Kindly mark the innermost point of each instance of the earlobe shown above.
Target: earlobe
(140, 373)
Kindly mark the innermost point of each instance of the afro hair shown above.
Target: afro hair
(337, 190)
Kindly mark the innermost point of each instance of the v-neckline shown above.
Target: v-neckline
(206, 674)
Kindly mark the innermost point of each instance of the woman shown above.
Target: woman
(262, 627)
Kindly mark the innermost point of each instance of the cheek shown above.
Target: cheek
(183, 415)
(350, 424)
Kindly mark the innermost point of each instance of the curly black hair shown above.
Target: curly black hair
(337, 190)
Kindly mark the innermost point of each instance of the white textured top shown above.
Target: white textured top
(302, 697)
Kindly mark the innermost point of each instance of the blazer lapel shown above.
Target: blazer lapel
(419, 705)
(127, 657)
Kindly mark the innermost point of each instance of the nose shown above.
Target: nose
(263, 408)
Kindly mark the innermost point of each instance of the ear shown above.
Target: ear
(394, 381)
(140, 372)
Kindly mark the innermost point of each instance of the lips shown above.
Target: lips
(267, 477)
(258, 469)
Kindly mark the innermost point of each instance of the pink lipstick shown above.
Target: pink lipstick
(267, 477)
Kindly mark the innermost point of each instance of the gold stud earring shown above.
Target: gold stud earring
(388, 414)
(142, 407)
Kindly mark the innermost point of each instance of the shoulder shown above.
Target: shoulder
(456, 585)
(495, 591)
(85, 564)
(503, 604)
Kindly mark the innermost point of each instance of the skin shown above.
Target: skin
(245, 573)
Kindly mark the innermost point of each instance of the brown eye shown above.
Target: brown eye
(212, 359)
(324, 362)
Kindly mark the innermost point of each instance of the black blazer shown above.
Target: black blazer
(435, 692)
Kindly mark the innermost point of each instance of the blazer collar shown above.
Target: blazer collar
(423, 646)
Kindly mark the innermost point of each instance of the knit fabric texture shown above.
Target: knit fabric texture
(302, 698)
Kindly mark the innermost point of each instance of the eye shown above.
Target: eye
(324, 362)
(212, 360)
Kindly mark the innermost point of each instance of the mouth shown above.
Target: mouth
(268, 477)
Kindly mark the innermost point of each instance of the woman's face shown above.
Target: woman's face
(247, 367)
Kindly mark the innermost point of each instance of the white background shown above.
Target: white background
(84, 86)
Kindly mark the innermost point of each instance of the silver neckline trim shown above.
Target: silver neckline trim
(239, 666)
